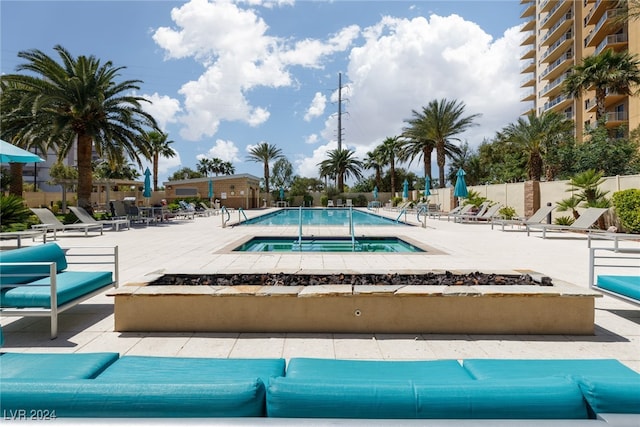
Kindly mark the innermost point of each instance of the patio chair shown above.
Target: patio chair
(329, 203)
(51, 223)
(339, 203)
(538, 216)
(86, 218)
(584, 223)
(349, 203)
(133, 213)
(209, 211)
(469, 215)
(460, 210)
(486, 217)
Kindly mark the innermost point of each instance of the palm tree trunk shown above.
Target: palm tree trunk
(155, 171)
(392, 170)
(535, 166)
(266, 179)
(441, 156)
(601, 109)
(85, 148)
(15, 171)
(426, 158)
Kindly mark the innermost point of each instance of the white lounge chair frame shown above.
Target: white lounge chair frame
(584, 223)
(538, 216)
(86, 218)
(51, 223)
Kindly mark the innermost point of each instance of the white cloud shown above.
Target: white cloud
(316, 109)
(238, 55)
(224, 150)
(308, 166)
(403, 64)
(163, 108)
(311, 139)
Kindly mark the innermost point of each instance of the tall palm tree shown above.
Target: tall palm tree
(416, 143)
(341, 163)
(443, 120)
(389, 150)
(534, 135)
(373, 160)
(606, 72)
(159, 145)
(265, 153)
(78, 102)
(204, 166)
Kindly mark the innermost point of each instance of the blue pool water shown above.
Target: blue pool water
(327, 244)
(316, 216)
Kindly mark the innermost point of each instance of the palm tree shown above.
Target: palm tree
(78, 102)
(374, 161)
(416, 143)
(265, 153)
(204, 166)
(389, 152)
(341, 164)
(159, 145)
(443, 120)
(606, 72)
(534, 135)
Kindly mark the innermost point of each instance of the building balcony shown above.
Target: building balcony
(547, 5)
(528, 38)
(603, 28)
(528, 66)
(528, 80)
(590, 105)
(560, 27)
(558, 67)
(616, 42)
(597, 10)
(558, 103)
(558, 9)
(616, 118)
(553, 88)
(530, 25)
(528, 54)
(528, 95)
(560, 46)
(529, 9)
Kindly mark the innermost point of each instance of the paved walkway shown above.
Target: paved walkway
(202, 245)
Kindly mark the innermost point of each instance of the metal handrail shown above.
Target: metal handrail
(352, 229)
(241, 211)
(300, 226)
(402, 211)
(224, 210)
(425, 211)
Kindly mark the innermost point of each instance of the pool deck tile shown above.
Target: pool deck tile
(197, 247)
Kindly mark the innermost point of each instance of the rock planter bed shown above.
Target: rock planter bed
(516, 302)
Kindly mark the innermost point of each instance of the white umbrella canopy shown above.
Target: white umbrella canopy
(9, 153)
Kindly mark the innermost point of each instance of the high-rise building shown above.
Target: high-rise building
(558, 34)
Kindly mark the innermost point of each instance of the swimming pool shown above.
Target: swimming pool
(327, 244)
(319, 216)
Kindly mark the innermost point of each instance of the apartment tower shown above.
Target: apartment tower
(557, 34)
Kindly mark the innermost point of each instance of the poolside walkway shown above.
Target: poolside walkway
(202, 245)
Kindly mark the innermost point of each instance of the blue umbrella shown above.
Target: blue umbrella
(375, 193)
(147, 184)
(9, 153)
(405, 189)
(210, 189)
(460, 189)
(427, 186)
(281, 193)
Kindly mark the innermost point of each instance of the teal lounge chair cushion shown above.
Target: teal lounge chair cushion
(430, 370)
(70, 285)
(190, 370)
(551, 398)
(49, 252)
(94, 399)
(43, 367)
(535, 368)
(624, 285)
(612, 395)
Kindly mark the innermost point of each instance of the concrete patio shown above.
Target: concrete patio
(201, 245)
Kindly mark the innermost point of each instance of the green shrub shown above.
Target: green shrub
(563, 220)
(507, 212)
(13, 212)
(627, 207)
(324, 201)
(360, 200)
(396, 200)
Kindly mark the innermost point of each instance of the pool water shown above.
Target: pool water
(327, 244)
(318, 216)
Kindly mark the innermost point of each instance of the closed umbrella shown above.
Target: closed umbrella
(460, 190)
(405, 189)
(281, 193)
(9, 153)
(375, 193)
(427, 186)
(210, 189)
(146, 193)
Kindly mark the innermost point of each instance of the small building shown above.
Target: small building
(232, 191)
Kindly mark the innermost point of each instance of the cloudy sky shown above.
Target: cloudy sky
(226, 75)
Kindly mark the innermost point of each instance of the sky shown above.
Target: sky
(223, 76)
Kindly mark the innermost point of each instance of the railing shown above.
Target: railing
(223, 211)
(241, 212)
(567, 16)
(555, 64)
(612, 39)
(403, 211)
(423, 210)
(567, 36)
(299, 226)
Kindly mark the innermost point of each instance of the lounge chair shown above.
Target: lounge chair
(460, 210)
(470, 215)
(208, 211)
(339, 203)
(51, 223)
(584, 223)
(539, 216)
(486, 216)
(133, 213)
(349, 203)
(329, 203)
(86, 218)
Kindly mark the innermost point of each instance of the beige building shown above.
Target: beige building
(232, 191)
(558, 35)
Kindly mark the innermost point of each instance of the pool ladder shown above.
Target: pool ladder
(352, 232)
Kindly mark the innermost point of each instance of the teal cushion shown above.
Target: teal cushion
(535, 368)
(436, 370)
(612, 395)
(552, 398)
(624, 285)
(54, 366)
(93, 399)
(49, 252)
(190, 369)
(70, 285)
